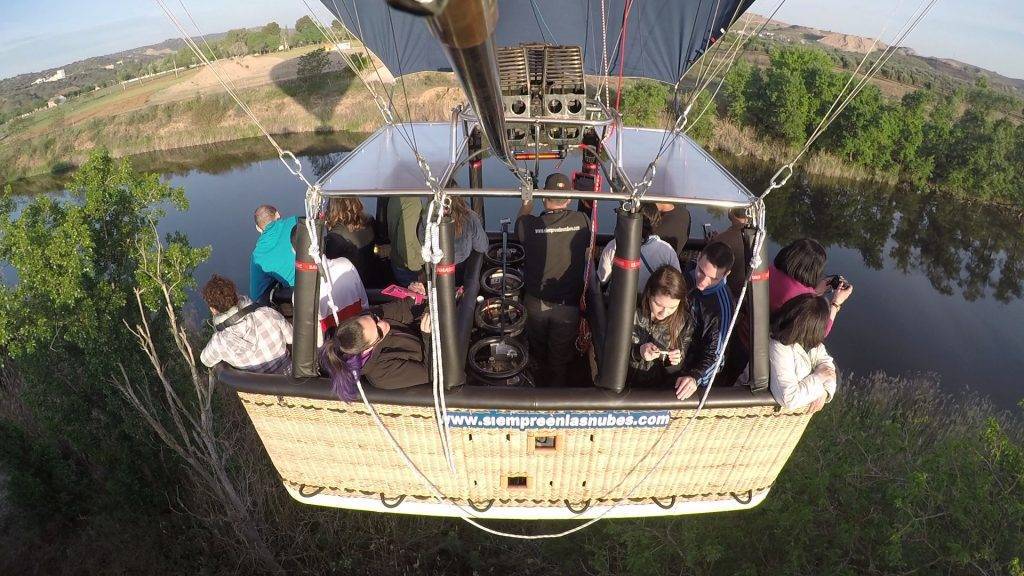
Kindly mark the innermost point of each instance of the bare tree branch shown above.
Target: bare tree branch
(191, 435)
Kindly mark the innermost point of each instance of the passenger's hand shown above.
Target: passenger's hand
(826, 371)
(685, 387)
(675, 357)
(842, 293)
(418, 288)
(425, 322)
(816, 405)
(822, 286)
(649, 352)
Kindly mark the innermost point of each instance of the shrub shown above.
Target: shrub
(644, 103)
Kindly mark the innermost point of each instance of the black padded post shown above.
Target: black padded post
(758, 302)
(305, 321)
(454, 359)
(621, 301)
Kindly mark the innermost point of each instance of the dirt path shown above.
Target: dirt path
(253, 71)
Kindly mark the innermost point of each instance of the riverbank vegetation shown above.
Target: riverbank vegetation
(968, 142)
(891, 477)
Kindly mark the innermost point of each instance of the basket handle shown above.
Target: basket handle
(304, 494)
(671, 503)
(480, 509)
(749, 497)
(585, 504)
(397, 501)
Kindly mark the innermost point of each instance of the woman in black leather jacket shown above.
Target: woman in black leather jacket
(662, 330)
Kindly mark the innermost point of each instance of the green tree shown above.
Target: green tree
(313, 64)
(735, 90)
(266, 40)
(908, 150)
(785, 106)
(644, 103)
(702, 118)
(61, 326)
(306, 32)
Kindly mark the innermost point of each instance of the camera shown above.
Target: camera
(708, 231)
(837, 281)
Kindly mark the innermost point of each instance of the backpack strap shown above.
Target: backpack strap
(237, 316)
(646, 264)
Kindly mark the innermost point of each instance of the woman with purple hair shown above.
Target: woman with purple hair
(383, 348)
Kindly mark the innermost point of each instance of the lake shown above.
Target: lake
(937, 282)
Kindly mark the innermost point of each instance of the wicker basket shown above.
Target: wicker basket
(332, 453)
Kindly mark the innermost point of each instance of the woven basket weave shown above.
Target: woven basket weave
(337, 448)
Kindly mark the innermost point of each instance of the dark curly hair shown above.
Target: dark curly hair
(220, 293)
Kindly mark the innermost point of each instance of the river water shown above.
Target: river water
(937, 283)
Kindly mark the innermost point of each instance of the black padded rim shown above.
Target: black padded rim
(496, 397)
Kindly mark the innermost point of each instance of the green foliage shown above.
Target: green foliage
(702, 118)
(644, 103)
(313, 63)
(306, 32)
(44, 483)
(360, 62)
(967, 142)
(735, 91)
(77, 263)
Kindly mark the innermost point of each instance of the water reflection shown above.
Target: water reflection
(975, 251)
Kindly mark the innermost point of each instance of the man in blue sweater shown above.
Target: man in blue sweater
(711, 308)
(273, 258)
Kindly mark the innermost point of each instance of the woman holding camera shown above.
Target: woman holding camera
(798, 269)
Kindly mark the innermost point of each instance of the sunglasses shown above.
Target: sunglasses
(376, 324)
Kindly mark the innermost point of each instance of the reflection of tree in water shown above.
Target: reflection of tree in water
(957, 246)
(322, 163)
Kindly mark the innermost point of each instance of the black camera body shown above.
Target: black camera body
(837, 281)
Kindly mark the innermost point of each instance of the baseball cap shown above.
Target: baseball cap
(557, 181)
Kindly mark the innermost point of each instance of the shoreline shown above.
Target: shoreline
(820, 167)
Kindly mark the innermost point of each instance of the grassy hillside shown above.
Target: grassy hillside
(173, 112)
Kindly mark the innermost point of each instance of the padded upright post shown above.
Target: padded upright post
(305, 321)
(453, 357)
(758, 300)
(621, 301)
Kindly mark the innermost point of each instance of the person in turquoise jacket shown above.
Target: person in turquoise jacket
(273, 258)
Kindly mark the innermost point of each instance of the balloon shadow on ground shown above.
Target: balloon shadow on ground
(320, 93)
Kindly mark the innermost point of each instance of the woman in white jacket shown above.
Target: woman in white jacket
(803, 374)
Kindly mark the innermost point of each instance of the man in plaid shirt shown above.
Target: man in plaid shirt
(249, 337)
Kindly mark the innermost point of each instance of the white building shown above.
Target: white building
(59, 75)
